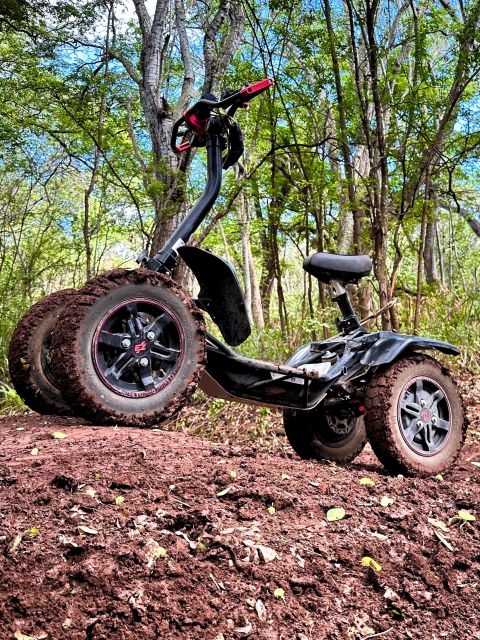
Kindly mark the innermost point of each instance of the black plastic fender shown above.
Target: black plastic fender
(389, 346)
(220, 293)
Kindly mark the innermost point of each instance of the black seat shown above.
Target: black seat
(331, 266)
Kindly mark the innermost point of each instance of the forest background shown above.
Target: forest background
(368, 142)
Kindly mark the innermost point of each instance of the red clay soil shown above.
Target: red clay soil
(124, 533)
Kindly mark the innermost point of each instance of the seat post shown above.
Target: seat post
(349, 322)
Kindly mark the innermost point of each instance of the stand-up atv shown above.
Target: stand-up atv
(131, 345)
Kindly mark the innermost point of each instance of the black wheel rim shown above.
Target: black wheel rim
(138, 347)
(424, 416)
(335, 429)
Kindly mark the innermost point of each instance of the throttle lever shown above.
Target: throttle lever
(252, 90)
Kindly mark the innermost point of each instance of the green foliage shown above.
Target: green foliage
(72, 122)
(10, 401)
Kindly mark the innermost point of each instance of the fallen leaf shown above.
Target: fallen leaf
(261, 610)
(153, 551)
(379, 536)
(92, 532)
(16, 542)
(279, 593)
(22, 636)
(285, 476)
(271, 510)
(438, 524)
(438, 477)
(367, 482)
(223, 492)
(34, 532)
(34, 451)
(367, 561)
(233, 474)
(466, 516)
(245, 631)
(314, 484)
(201, 547)
(59, 435)
(267, 554)
(23, 429)
(337, 513)
(119, 500)
(386, 501)
(90, 492)
(476, 464)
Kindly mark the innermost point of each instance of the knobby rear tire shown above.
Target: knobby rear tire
(311, 438)
(29, 355)
(383, 424)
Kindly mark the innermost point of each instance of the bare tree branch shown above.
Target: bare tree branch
(128, 66)
(189, 76)
(144, 19)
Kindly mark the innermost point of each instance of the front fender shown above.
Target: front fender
(390, 346)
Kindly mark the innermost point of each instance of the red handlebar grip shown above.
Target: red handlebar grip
(183, 147)
(194, 123)
(254, 89)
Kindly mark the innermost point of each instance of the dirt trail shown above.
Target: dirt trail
(163, 555)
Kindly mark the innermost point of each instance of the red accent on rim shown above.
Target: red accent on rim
(171, 376)
(424, 454)
(138, 348)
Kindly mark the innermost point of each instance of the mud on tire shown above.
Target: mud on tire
(318, 436)
(414, 416)
(29, 355)
(130, 349)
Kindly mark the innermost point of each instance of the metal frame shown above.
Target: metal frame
(339, 367)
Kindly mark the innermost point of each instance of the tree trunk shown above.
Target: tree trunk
(223, 29)
(347, 158)
(430, 253)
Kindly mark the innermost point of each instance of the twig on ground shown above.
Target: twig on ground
(377, 635)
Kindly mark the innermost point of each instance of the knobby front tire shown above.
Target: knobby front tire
(130, 349)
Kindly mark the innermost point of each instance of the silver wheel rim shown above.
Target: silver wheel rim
(424, 416)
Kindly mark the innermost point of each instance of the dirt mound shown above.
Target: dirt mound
(124, 533)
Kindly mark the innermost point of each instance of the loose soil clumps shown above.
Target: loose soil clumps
(125, 533)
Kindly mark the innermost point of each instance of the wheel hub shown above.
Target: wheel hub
(141, 346)
(424, 416)
(339, 424)
(137, 348)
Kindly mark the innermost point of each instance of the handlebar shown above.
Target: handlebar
(242, 96)
(196, 118)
